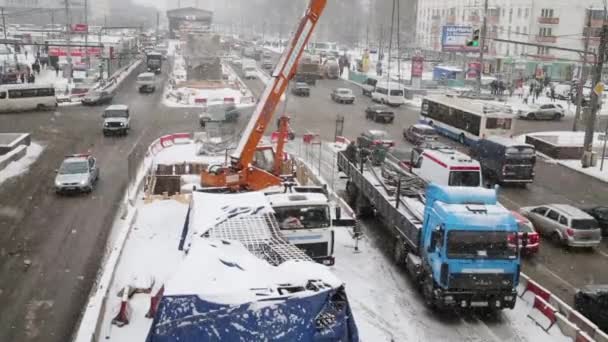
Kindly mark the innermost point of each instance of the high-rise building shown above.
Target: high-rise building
(558, 23)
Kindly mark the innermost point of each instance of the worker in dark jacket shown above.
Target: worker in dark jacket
(352, 152)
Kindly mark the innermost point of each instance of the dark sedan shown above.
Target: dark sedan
(379, 113)
(419, 133)
(600, 214)
(301, 89)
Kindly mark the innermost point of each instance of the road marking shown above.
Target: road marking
(605, 255)
(545, 268)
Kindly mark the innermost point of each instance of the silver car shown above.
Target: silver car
(564, 224)
(78, 173)
(343, 95)
(548, 111)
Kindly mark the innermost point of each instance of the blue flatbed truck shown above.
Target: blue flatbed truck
(458, 243)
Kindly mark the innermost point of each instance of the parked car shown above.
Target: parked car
(77, 173)
(548, 111)
(504, 160)
(267, 65)
(531, 244)
(368, 87)
(374, 137)
(600, 214)
(301, 89)
(419, 133)
(563, 91)
(379, 113)
(343, 95)
(564, 224)
(592, 302)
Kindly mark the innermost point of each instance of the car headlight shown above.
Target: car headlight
(122, 124)
(83, 182)
(57, 183)
(106, 124)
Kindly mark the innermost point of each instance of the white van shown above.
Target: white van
(446, 166)
(388, 93)
(22, 97)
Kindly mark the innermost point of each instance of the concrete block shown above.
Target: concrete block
(582, 323)
(12, 156)
(567, 328)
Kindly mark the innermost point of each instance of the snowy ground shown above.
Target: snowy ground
(22, 165)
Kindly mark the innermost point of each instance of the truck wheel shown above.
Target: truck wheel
(427, 291)
(398, 252)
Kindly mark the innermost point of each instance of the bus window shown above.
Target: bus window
(14, 94)
(396, 92)
(2, 95)
(495, 123)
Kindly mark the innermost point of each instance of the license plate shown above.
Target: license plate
(479, 304)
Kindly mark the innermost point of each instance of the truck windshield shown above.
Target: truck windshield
(482, 245)
(464, 178)
(302, 217)
(115, 114)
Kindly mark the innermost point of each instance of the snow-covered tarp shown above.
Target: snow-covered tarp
(221, 292)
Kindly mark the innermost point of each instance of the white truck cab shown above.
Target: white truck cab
(306, 221)
(116, 120)
(446, 166)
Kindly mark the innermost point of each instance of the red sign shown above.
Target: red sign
(75, 52)
(474, 68)
(80, 28)
(417, 66)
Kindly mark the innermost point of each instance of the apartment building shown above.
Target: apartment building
(550, 22)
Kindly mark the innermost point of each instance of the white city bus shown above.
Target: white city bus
(22, 97)
(466, 120)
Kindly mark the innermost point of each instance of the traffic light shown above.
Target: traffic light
(474, 41)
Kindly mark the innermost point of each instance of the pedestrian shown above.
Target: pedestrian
(25, 51)
(351, 152)
(32, 78)
(552, 94)
(56, 70)
(22, 77)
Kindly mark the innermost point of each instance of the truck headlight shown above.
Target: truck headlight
(508, 298)
(122, 124)
(105, 124)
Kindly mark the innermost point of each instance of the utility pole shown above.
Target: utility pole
(595, 98)
(68, 26)
(4, 29)
(157, 25)
(482, 45)
(86, 37)
(582, 76)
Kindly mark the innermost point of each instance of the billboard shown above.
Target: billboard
(454, 39)
(80, 28)
(417, 66)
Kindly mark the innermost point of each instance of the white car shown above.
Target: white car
(548, 111)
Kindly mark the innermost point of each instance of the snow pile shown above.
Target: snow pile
(185, 153)
(22, 165)
(594, 171)
(225, 272)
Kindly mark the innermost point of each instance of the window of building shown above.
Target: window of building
(527, 13)
(519, 12)
(510, 15)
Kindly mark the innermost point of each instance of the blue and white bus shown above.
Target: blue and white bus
(466, 120)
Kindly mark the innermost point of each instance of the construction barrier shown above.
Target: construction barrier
(342, 140)
(542, 314)
(200, 100)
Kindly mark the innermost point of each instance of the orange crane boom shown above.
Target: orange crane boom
(241, 173)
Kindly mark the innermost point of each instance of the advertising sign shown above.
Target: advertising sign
(454, 39)
(417, 66)
(79, 28)
(75, 52)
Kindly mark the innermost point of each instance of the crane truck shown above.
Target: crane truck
(457, 242)
(241, 174)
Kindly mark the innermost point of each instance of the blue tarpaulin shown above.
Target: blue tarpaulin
(322, 316)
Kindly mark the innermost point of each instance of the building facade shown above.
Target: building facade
(559, 23)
